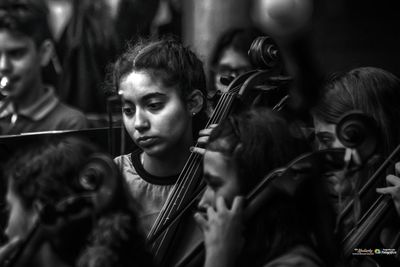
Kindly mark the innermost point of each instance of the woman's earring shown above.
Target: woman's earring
(193, 113)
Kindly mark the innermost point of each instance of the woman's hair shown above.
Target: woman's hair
(168, 61)
(46, 172)
(373, 91)
(267, 142)
(259, 141)
(49, 173)
(239, 39)
(26, 17)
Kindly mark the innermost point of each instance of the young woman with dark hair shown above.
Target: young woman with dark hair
(287, 229)
(162, 86)
(375, 92)
(41, 182)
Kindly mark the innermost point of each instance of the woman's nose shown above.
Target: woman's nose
(206, 199)
(141, 121)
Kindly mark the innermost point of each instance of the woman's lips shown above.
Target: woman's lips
(147, 141)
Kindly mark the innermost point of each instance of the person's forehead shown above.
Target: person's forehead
(233, 58)
(322, 126)
(12, 40)
(216, 162)
(139, 84)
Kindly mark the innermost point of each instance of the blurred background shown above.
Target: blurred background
(90, 34)
(345, 33)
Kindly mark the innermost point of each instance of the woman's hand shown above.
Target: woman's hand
(393, 187)
(204, 135)
(223, 232)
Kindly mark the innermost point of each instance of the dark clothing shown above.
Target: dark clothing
(87, 45)
(46, 114)
(300, 256)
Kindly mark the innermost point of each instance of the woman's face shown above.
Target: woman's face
(231, 63)
(155, 116)
(325, 134)
(20, 219)
(220, 175)
(326, 138)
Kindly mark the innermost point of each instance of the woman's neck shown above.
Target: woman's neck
(166, 165)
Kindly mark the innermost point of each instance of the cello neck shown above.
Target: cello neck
(189, 181)
(366, 224)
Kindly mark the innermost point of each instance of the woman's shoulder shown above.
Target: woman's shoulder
(124, 159)
(119, 159)
(299, 256)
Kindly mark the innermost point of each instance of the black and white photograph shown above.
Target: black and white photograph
(199, 133)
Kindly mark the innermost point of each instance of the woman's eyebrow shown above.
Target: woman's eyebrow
(152, 95)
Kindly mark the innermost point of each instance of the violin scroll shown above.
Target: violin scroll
(356, 130)
(264, 53)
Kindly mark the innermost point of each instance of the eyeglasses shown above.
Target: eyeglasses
(225, 70)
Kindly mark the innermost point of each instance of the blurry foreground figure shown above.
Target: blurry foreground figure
(69, 206)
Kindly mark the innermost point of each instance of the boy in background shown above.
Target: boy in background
(27, 104)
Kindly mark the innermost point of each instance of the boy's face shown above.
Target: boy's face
(156, 117)
(20, 61)
(220, 175)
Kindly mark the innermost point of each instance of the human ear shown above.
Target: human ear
(195, 102)
(46, 52)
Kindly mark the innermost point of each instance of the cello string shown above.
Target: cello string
(194, 168)
(230, 100)
(175, 191)
(192, 165)
(184, 190)
(167, 209)
(179, 187)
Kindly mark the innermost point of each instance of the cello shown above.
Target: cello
(297, 174)
(162, 237)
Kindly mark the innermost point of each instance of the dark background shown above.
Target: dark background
(352, 33)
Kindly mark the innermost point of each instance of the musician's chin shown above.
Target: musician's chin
(339, 189)
(337, 184)
(155, 149)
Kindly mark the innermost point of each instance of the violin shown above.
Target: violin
(370, 231)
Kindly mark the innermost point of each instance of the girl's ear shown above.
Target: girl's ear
(195, 102)
(46, 52)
